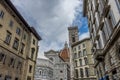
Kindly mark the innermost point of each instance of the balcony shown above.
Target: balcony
(98, 55)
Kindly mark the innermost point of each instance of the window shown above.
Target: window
(30, 68)
(24, 37)
(86, 72)
(114, 75)
(8, 37)
(80, 60)
(80, 54)
(18, 31)
(79, 47)
(34, 41)
(61, 71)
(40, 72)
(7, 77)
(73, 39)
(75, 55)
(1, 14)
(0, 76)
(86, 61)
(11, 62)
(76, 73)
(61, 79)
(83, 45)
(75, 63)
(28, 78)
(81, 72)
(74, 49)
(84, 52)
(1, 56)
(19, 65)
(11, 23)
(32, 52)
(22, 48)
(16, 44)
(16, 78)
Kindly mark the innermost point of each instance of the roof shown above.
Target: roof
(65, 54)
(53, 51)
(35, 33)
(22, 19)
(76, 43)
(71, 28)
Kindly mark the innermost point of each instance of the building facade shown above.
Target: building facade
(82, 57)
(17, 51)
(61, 68)
(44, 69)
(104, 26)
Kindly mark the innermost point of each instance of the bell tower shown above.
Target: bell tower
(73, 35)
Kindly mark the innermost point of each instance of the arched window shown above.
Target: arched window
(81, 72)
(40, 72)
(80, 54)
(75, 55)
(86, 61)
(80, 60)
(76, 63)
(76, 73)
(84, 52)
(87, 72)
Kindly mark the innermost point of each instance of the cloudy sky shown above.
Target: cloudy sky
(51, 18)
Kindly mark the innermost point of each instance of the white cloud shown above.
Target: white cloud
(52, 19)
(84, 35)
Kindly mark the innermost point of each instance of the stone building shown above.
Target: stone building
(18, 44)
(44, 69)
(61, 69)
(82, 57)
(104, 26)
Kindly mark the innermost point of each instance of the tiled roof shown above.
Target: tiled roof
(65, 54)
